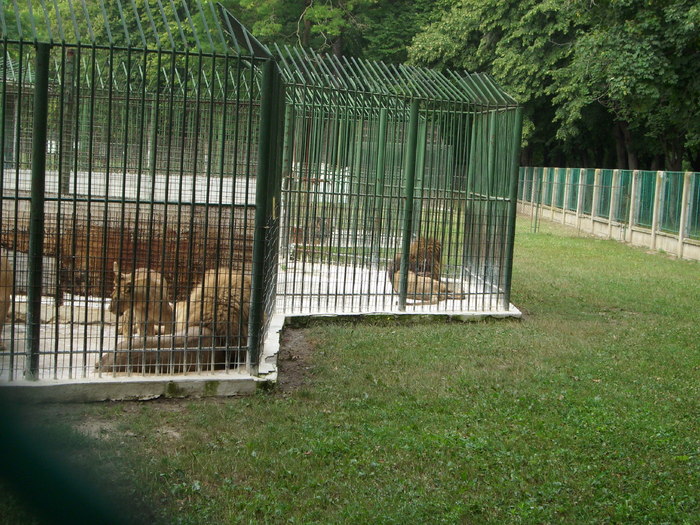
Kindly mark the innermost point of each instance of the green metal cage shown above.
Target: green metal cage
(377, 157)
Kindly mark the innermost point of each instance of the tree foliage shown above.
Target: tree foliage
(620, 68)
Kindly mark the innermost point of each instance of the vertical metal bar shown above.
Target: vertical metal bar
(410, 180)
(287, 153)
(68, 93)
(379, 188)
(260, 231)
(36, 224)
(512, 206)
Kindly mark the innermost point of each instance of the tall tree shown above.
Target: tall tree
(618, 68)
(640, 62)
(325, 25)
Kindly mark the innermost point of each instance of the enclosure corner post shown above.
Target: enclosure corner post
(513, 206)
(36, 221)
(410, 179)
(263, 179)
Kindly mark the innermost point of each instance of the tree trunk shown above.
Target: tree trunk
(338, 46)
(674, 155)
(620, 146)
(305, 37)
(632, 161)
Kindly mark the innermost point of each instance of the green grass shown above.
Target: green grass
(584, 411)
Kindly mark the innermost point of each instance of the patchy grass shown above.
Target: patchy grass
(584, 411)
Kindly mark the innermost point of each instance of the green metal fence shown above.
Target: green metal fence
(376, 157)
(656, 202)
(132, 134)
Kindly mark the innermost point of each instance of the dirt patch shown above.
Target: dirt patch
(293, 360)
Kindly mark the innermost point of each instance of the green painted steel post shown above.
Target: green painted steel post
(410, 179)
(379, 180)
(69, 121)
(255, 321)
(287, 153)
(36, 221)
(513, 204)
(420, 174)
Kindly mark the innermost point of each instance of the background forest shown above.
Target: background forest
(603, 83)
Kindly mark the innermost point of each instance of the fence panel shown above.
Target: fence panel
(587, 179)
(646, 192)
(664, 207)
(670, 215)
(694, 207)
(606, 189)
(622, 208)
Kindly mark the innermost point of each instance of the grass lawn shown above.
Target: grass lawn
(585, 411)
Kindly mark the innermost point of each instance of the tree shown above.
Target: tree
(640, 63)
(321, 24)
(616, 68)
(520, 43)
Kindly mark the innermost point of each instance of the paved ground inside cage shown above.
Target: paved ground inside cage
(326, 289)
(71, 351)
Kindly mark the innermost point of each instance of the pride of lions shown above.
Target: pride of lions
(190, 337)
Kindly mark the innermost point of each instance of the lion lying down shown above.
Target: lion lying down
(214, 317)
(424, 284)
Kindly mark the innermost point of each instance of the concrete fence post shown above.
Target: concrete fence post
(683, 222)
(567, 193)
(596, 198)
(614, 199)
(579, 200)
(555, 192)
(634, 198)
(658, 190)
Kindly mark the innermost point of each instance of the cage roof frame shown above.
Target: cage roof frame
(195, 26)
(305, 67)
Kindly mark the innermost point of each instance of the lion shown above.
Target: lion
(424, 259)
(423, 275)
(214, 317)
(422, 289)
(6, 282)
(140, 299)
